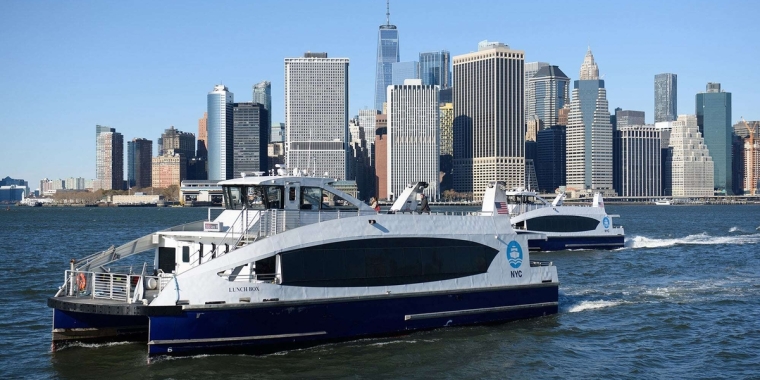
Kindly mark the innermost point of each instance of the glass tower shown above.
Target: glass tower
(714, 121)
(665, 97)
(435, 69)
(262, 94)
(387, 53)
(401, 71)
(219, 128)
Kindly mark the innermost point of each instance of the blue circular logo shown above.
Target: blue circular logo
(514, 254)
(606, 222)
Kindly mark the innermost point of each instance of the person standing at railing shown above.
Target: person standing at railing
(423, 204)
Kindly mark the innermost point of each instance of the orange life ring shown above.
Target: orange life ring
(81, 281)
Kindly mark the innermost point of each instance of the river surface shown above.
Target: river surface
(682, 300)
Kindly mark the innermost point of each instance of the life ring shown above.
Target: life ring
(81, 282)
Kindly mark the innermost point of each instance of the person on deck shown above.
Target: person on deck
(423, 204)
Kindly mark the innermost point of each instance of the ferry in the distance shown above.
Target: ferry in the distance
(293, 261)
(564, 227)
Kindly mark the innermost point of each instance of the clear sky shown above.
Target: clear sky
(143, 66)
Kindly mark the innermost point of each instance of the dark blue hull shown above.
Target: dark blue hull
(560, 243)
(80, 326)
(274, 326)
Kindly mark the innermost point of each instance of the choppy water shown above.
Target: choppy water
(680, 301)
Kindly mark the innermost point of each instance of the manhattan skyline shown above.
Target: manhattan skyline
(143, 67)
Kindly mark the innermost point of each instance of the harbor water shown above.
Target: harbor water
(681, 300)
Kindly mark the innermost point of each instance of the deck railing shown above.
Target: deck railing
(123, 287)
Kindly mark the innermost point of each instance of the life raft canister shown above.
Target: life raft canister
(81, 281)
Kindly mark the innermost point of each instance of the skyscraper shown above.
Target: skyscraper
(140, 162)
(381, 156)
(548, 91)
(692, 166)
(250, 138)
(435, 68)
(446, 143)
(316, 114)
(168, 169)
(181, 142)
(551, 152)
(622, 119)
(714, 120)
(277, 133)
(219, 127)
(401, 71)
(109, 158)
(641, 161)
(589, 132)
(387, 53)
(413, 142)
(367, 121)
(489, 123)
(665, 97)
(202, 150)
(531, 68)
(262, 94)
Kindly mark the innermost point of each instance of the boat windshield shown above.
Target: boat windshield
(524, 199)
(254, 197)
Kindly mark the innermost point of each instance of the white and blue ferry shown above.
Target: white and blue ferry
(292, 261)
(560, 227)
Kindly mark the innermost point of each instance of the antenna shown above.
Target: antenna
(387, 12)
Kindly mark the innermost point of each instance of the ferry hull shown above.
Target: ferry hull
(560, 243)
(71, 326)
(270, 327)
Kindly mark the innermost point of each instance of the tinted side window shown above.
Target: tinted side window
(562, 223)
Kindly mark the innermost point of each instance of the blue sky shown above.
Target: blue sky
(143, 66)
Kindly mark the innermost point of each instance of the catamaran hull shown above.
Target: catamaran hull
(280, 325)
(72, 326)
(560, 243)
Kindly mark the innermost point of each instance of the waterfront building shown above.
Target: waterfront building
(202, 150)
(250, 131)
(262, 94)
(547, 92)
(387, 54)
(589, 133)
(665, 97)
(641, 161)
(489, 123)
(530, 69)
(169, 169)
(140, 162)
(621, 119)
(109, 158)
(751, 169)
(13, 190)
(713, 109)
(666, 153)
(745, 157)
(692, 166)
(174, 139)
(401, 71)
(435, 69)
(219, 127)
(367, 121)
(551, 152)
(413, 143)
(446, 135)
(381, 156)
(316, 114)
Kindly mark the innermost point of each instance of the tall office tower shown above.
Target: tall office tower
(413, 143)
(401, 71)
(262, 94)
(547, 92)
(381, 156)
(621, 119)
(446, 135)
(181, 142)
(747, 156)
(642, 161)
(139, 162)
(692, 164)
(367, 121)
(387, 53)
(168, 169)
(109, 158)
(714, 120)
(250, 131)
(666, 152)
(202, 150)
(277, 133)
(531, 68)
(219, 128)
(316, 114)
(435, 69)
(489, 123)
(739, 175)
(665, 97)
(550, 158)
(589, 132)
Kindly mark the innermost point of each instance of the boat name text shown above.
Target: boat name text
(244, 289)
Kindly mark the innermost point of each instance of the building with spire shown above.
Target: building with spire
(387, 53)
(589, 133)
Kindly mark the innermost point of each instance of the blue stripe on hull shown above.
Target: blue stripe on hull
(559, 243)
(270, 328)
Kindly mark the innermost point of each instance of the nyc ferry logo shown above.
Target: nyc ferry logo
(514, 256)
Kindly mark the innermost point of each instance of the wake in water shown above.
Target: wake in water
(698, 239)
(591, 305)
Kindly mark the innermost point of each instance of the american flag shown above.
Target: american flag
(501, 208)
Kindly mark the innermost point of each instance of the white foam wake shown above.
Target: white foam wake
(698, 239)
(591, 305)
